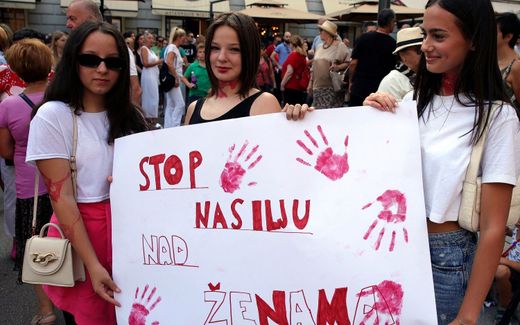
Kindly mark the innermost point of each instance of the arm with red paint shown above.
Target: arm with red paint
(494, 207)
(57, 177)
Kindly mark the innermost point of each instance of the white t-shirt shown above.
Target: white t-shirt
(133, 68)
(177, 59)
(396, 84)
(446, 149)
(50, 136)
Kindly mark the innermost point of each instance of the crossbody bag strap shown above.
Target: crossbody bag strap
(478, 149)
(73, 168)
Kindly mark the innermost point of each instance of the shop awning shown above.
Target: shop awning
(18, 4)
(118, 8)
(287, 10)
(498, 6)
(187, 8)
(367, 10)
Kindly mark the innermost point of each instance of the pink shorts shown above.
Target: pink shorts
(81, 300)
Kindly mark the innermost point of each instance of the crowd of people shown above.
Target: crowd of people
(458, 65)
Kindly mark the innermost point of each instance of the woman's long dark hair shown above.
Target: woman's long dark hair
(249, 39)
(480, 78)
(124, 117)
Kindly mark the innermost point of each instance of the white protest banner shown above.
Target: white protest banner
(265, 221)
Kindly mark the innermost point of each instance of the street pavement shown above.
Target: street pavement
(18, 302)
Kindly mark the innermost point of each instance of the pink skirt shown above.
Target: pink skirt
(81, 300)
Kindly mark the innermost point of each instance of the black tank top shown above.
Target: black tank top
(241, 109)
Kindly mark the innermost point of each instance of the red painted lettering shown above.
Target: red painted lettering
(234, 211)
(334, 312)
(278, 314)
(195, 161)
(155, 161)
(218, 218)
(202, 218)
(146, 186)
(301, 223)
(173, 162)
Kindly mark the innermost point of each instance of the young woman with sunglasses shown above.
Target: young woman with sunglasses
(91, 82)
(457, 84)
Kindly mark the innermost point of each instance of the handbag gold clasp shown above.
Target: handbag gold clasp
(44, 259)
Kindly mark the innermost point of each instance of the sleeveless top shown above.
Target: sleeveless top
(509, 90)
(241, 109)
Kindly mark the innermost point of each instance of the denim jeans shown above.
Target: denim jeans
(452, 256)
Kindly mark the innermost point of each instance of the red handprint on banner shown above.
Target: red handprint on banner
(231, 176)
(140, 309)
(379, 304)
(328, 163)
(388, 199)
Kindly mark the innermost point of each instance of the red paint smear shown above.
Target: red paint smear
(392, 243)
(144, 292)
(388, 301)
(391, 295)
(231, 177)
(253, 164)
(222, 84)
(366, 206)
(301, 161)
(255, 148)
(346, 142)
(369, 231)
(252, 183)
(230, 150)
(138, 315)
(323, 137)
(151, 295)
(314, 142)
(379, 238)
(388, 199)
(136, 292)
(244, 146)
(332, 165)
(405, 233)
(156, 302)
(304, 147)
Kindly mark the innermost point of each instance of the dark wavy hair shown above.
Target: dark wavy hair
(249, 39)
(480, 78)
(124, 117)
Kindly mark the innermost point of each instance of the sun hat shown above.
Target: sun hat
(329, 27)
(407, 37)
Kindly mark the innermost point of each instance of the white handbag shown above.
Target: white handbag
(50, 260)
(469, 212)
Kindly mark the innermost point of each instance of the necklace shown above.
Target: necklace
(326, 46)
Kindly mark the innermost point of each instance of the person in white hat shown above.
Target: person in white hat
(331, 55)
(400, 81)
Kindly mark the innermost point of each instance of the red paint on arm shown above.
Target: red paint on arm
(54, 187)
(68, 230)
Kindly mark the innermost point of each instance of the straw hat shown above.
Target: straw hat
(329, 27)
(407, 37)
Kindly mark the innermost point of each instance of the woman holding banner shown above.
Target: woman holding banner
(233, 56)
(91, 86)
(458, 83)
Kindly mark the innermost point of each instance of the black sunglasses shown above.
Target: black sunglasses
(93, 61)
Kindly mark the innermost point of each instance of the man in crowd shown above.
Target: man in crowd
(372, 58)
(189, 47)
(278, 57)
(80, 11)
